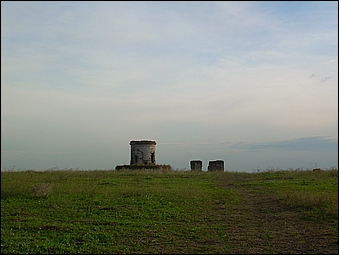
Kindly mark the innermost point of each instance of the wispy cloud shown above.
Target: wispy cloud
(314, 143)
(326, 78)
(317, 143)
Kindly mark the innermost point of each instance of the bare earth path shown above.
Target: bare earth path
(265, 225)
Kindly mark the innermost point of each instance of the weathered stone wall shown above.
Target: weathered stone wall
(196, 165)
(216, 165)
(143, 152)
(138, 167)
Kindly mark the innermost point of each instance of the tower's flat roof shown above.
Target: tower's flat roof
(142, 142)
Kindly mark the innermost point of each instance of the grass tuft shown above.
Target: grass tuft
(42, 189)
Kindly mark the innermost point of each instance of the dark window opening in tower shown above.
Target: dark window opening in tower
(152, 157)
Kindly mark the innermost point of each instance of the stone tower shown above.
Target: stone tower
(143, 152)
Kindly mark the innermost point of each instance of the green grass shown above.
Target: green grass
(314, 192)
(150, 211)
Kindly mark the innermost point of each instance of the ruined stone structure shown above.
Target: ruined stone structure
(143, 152)
(196, 165)
(216, 165)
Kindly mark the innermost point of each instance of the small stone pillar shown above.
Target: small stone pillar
(216, 165)
(196, 165)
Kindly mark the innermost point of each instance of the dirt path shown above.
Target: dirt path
(262, 224)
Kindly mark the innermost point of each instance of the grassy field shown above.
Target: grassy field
(163, 211)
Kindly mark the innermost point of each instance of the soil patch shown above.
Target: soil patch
(261, 223)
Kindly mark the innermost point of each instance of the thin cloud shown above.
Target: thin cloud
(316, 143)
(326, 78)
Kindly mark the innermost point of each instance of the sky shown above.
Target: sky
(252, 83)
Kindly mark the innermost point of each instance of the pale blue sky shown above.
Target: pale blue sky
(252, 83)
